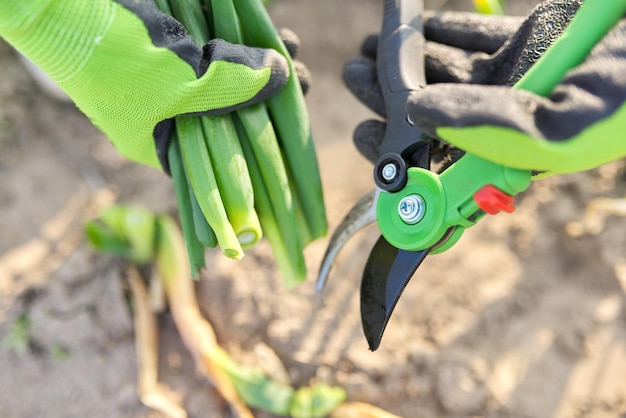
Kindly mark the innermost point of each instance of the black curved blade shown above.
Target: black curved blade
(386, 274)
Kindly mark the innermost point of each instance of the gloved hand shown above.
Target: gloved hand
(473, 60)
(131, 68)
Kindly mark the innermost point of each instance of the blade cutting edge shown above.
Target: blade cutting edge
(361, 215)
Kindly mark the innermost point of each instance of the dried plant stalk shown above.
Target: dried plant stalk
(153, 394)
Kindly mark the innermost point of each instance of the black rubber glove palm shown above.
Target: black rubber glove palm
(454, 41)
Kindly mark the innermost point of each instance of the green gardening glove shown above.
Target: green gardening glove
(131, 69)
(471, 105)
(581, 125)
(469, 32)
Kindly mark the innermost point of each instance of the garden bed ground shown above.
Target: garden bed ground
(519, 319)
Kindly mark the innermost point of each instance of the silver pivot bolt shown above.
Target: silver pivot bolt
(412, 209)
(390, 171)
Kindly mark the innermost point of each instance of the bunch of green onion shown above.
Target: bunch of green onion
(252, 173)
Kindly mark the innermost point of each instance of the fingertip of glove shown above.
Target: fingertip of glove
(428, 109)
(360, 77)
(367, 138)
(355, 68)
(275, 60)
(291, 41)
(279, 66)
(304, 76)
(369, 47)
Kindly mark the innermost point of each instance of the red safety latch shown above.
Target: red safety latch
(493, 200)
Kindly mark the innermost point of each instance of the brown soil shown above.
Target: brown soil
(519, 319)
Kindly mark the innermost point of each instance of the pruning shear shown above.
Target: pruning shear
(420, 212)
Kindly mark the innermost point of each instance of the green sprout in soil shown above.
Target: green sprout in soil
(19, 337)
(59, 352)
